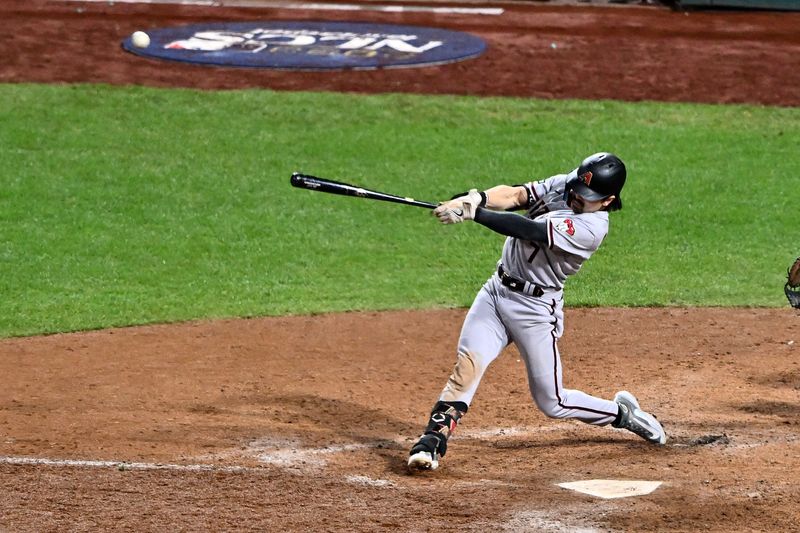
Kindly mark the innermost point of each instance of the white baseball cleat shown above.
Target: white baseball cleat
(424, 455)
(422, 461)
(640, 422)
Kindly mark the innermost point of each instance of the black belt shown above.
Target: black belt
(516, 284)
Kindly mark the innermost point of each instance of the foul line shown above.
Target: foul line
(122, 465)
(317, 6)
(292, 456)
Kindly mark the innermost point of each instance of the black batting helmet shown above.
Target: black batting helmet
(599, 176)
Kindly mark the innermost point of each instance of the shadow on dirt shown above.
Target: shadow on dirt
(789, 411)
(783, 378)
(344, 419)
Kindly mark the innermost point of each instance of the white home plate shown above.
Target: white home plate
(612, 488)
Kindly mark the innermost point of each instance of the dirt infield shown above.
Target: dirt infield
(307, 421)
(303, 423)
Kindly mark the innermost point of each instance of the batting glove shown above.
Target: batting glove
(471, 202)
(461, 208)
(450, 212)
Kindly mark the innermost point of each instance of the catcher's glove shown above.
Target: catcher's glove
(792, 287)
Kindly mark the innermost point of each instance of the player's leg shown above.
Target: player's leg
(432, 444)
(537, 341)
(535, 326)
(483, 337)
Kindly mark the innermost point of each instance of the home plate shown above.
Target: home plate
(612, 488)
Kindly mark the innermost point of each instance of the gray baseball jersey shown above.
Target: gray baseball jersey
(572, 238)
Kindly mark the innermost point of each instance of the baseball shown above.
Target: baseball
(140, 39)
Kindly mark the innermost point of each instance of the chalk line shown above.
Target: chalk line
(281, 453)
(121, 465)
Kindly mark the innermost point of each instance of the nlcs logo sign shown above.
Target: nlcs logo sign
(309, 45)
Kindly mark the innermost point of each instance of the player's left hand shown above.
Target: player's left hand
(459, 209)
(451, 212)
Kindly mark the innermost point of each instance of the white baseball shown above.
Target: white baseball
(140, 39)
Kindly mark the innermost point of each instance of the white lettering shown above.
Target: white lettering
(297, 40)
(402, 46)
(259, 39)
(208, 42)
(356, 43)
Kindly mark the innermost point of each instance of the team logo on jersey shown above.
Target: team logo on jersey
(566, 227)
(586, 177)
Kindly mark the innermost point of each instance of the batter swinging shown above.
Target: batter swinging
(566, 221)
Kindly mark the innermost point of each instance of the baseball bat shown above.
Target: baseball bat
(313, 183)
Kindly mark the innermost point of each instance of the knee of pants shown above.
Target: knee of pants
(548, 405)
(470, 365)
(466, 374)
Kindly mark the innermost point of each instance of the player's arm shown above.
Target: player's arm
(512, 225)
(500, 197)
(506, 197)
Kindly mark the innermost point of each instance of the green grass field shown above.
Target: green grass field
(124, 206)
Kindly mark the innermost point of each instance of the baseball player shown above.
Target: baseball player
(566, 221)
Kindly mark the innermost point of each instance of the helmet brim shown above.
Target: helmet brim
(586, 193)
